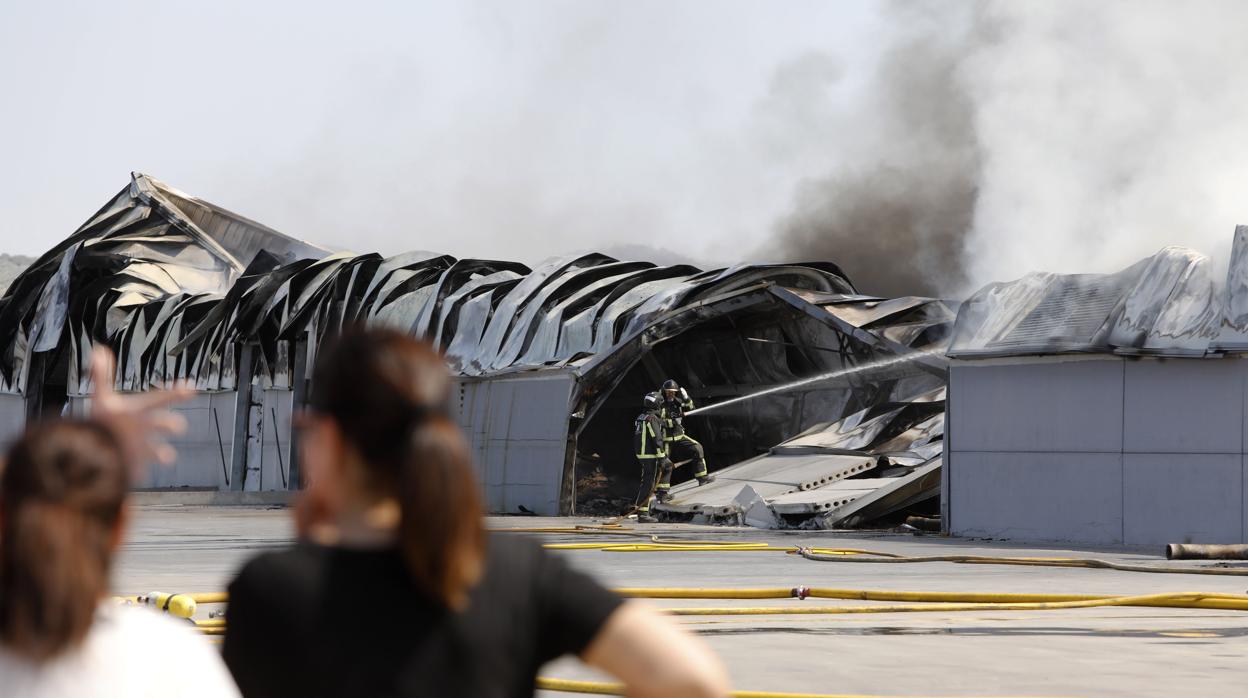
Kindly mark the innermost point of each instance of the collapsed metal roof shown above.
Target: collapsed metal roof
(1166, 305)
(177, 286)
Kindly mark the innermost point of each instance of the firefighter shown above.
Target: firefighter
(651, 452)
(680, 446)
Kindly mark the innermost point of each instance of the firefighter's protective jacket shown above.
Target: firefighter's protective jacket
(673, 414)
(648, 439)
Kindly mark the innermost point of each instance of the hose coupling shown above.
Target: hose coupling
(800, 593)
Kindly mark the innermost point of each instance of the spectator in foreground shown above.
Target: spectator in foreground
(63, 489)
(397, 590)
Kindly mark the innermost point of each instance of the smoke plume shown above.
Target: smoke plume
(1003, 137)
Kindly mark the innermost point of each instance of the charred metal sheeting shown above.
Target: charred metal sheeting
(1165, 305)
(148, 277)
(922, 484)
(552, 360)
(144, 270)
(771, 476)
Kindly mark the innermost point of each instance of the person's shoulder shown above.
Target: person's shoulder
(129, 650)
(119, 628)
(281, 569)
(124, 620)
(146, 651)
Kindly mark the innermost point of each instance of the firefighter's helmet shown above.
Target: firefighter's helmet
(652, 401)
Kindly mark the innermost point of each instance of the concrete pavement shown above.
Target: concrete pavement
(1087, 652)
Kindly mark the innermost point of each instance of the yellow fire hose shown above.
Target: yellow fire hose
(838, 556)
(607, 529)
(925, 602)
(869, 556)
(657, 544)
(667, 546)
(184, 605)
(1186, 600)
(1192, 599)
(616, 689)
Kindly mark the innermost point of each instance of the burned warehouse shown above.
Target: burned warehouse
(551, 362)
(1101, 408)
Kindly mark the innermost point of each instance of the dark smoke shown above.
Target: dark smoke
(896, 212)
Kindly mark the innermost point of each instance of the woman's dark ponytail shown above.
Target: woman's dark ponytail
(440, 528)
(387, 391)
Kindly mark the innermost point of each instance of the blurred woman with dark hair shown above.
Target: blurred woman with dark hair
(63, 490)
(397, 590)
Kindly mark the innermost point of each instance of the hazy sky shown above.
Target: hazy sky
(927, 146)
(497, 129)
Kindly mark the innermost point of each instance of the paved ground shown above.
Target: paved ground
(1089, 652)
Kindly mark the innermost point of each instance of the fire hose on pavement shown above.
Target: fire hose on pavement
(656, 543)
(914, 601)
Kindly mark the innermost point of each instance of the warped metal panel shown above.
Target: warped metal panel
(771, 476)
(923, 483)
(828, 498)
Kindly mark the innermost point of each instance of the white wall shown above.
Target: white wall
(203, 451)
(518, 427)
(268, 454)
(1098, 449)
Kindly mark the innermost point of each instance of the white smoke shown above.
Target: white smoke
(1004, 137)
(1107, 131)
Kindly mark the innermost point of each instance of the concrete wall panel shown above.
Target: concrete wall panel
(276, 433)
(1184, 406)
(1044, 407)
(537, 400)
(1196, 498)
(518, 428)
(1178, 473)
(203, 451)
(1037, 496)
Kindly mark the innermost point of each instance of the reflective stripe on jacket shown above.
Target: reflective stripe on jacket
(648, 436)
(673, 414)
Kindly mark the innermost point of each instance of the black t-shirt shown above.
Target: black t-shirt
(330, 621)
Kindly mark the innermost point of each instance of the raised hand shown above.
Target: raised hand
(142, 422)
